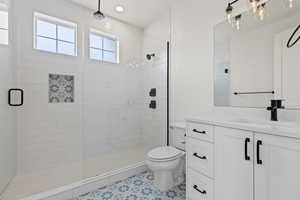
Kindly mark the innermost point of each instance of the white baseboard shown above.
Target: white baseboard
(74, 190)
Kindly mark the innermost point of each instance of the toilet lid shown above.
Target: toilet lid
(164, 153)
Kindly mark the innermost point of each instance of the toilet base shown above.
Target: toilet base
(166, 180)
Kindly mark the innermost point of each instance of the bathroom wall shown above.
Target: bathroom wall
(192, 61)
(8, 156)
(192, 55)
(64, 138)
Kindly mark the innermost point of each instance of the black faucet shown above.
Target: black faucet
(275, 104)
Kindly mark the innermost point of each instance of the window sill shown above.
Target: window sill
(56, 54)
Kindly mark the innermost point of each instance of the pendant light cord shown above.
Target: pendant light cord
(99, 5)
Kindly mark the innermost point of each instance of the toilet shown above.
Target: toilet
(168, 162)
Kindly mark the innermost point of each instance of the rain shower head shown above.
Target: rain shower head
(149, 56)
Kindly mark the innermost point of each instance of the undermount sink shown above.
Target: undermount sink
(269, 124)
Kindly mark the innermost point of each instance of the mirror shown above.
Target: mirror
(254, 64)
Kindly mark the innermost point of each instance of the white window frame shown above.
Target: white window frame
(58, 22)
(4, 8)
(108, 36)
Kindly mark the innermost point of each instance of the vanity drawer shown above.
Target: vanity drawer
(200, 156)
(199, 186)
(201, 131)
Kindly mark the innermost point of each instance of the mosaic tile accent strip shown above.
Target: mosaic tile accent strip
(139, 187)
(61, 88)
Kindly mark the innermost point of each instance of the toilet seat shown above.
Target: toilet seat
(162, 154)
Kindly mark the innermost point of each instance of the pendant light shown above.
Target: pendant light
(99, 15)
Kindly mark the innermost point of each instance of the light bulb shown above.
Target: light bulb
(228, 11)
(261, 11)
(238, 22)
(253, 4)
(238, 25)
(291, 3)
(229, 18)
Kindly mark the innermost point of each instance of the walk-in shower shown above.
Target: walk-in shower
(85, 110)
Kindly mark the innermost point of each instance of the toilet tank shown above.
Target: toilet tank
(177, 135)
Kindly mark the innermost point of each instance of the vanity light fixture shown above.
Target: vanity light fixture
(258, 7)
(229, 11)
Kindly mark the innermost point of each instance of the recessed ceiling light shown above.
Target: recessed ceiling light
(120, 9)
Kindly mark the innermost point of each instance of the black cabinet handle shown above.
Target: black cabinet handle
(200, 157)
(196, 131)
(201, 191)
(247, 157)
(259, 161)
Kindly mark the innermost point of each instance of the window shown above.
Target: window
(3, 24)
(55, 35)
(103, 47)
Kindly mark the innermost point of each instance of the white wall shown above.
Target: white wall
(192, 55)
(192, 62)
(8, 138)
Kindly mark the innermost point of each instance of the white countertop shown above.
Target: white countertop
(181, 125)
(286, 129)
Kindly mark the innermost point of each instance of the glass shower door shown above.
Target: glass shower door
(119, 127)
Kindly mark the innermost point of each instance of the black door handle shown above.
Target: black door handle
(247, 157)
(200, 157)
(196, 131)
(259, 161)
(201, 191)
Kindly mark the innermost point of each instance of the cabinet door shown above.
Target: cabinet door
(233, 164)
(277, 168)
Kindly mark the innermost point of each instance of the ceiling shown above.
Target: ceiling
(137, 12)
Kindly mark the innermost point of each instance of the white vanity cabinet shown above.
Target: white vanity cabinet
(278, 175)
(233, 164)
(200, 161)
(246, 164)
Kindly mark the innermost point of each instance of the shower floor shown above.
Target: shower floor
(139, 187)
(26, 185)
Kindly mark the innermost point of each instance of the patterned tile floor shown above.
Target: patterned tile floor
(139, 187)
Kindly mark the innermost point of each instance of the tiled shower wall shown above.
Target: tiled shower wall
(105, 115)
